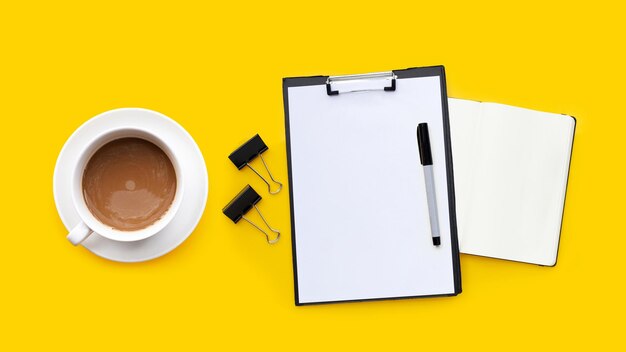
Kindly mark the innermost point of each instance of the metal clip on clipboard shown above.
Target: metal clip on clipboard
(361, 83)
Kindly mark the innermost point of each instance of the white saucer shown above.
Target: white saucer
(193, 169)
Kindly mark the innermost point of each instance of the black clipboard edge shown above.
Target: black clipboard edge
(412, 72)
(293, 82)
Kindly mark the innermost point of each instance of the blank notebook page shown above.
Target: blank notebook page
(359, 200)
(510, 168)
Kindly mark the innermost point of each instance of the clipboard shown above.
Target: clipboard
(359, 219)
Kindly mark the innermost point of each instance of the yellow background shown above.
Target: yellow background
(216, 69)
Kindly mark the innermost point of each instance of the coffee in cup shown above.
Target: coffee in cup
(129, 184)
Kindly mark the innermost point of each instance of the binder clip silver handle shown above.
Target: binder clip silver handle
(267, 236)
(269, 187)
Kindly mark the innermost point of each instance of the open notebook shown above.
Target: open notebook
(510, 169)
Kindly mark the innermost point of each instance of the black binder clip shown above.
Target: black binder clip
(241, 204)
(247, 152)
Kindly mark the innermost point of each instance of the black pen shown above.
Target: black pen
(423, 142)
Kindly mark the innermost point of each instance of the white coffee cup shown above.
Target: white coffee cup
(89, 223)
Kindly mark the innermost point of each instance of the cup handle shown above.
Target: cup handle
(79, 233)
